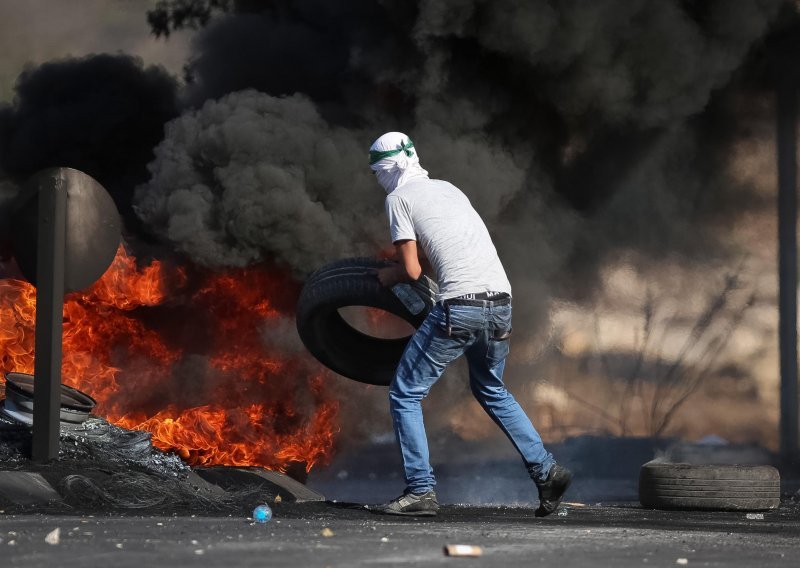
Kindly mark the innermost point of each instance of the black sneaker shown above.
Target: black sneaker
(410, 504)
(552, 489)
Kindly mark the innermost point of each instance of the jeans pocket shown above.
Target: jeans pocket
(455, 324)
(443, 348)
(497, 349)
(455, 332)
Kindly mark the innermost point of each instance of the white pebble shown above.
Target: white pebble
(54, 536)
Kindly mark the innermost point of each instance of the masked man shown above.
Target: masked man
(472, 317)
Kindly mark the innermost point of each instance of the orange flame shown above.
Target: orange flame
(123, 345)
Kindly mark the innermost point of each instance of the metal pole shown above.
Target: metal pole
(49, 317)
(786, 106)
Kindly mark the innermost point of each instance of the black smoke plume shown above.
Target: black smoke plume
(101, 114)
(576, 129)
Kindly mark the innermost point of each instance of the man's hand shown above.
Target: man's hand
(391, 275)
(407, 269)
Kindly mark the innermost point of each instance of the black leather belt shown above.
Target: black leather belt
(479, 299)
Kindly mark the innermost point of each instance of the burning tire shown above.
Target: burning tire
(338, 345)
(709, 487)
(18, 404)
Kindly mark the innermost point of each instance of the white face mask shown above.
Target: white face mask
(388, 178)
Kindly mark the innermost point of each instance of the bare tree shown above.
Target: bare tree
(674, 378)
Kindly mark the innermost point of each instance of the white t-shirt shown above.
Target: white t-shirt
(451, 234)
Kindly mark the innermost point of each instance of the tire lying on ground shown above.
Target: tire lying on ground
(338, 345)
(709, 487)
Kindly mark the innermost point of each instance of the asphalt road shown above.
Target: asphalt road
(617, 536)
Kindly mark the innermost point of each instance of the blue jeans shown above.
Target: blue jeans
(426, 356)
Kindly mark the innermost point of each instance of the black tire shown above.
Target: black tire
(709, 487)
(336, 344)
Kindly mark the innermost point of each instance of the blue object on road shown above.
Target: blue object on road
(262, 514)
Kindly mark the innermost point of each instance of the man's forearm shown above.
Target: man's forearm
(409, 260)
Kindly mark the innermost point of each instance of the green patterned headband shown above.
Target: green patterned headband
(377, 155)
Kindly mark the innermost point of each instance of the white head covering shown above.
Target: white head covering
(394, 160)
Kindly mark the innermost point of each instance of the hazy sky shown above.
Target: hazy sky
(34, 31)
